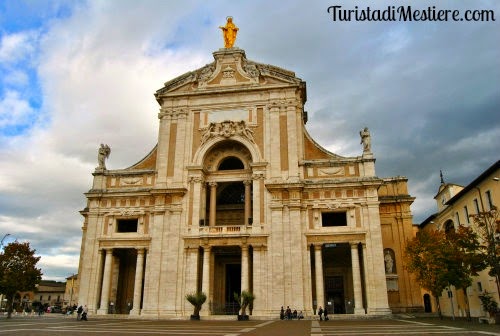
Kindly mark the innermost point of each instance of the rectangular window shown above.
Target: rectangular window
(489, 199)
(126, 225)
(48, 298)
(479, 287)
(466, 214)
(457, 216)
(334, 219)
(41, 298)
(476, 205)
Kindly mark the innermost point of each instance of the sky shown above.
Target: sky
(75, 74)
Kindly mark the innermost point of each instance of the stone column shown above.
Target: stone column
(245, 279)
(356, 279)
(99, 281)
(248, 201)
(259, 282)
(106, 283)
(136, 308)
(205, 285)
(213, 202)
(197, 204)
(320, 291)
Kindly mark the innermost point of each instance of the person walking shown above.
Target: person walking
(79, 313)
(325, 313)
(320, 313)
(84, 314)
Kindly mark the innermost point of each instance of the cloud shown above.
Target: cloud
(85, 73)
(14, 112)
(16, 47)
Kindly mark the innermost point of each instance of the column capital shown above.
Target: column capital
(247, 182)
(318, 246)
(212, 184)
(140, 250)
(354, 244)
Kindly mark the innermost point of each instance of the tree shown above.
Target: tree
(244, 300)
(466, 259)
(18, 271)
(489, 305)
(487, 224)
(427, 257)
(197, 300)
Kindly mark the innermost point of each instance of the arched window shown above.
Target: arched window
(449, 227)
(231, 163)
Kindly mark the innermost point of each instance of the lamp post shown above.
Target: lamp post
(5, 236)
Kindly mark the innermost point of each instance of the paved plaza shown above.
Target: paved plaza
(45, 325)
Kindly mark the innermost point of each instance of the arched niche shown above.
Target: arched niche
(204, 155)
(228, 154)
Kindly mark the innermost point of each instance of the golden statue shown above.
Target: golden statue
(229, 32)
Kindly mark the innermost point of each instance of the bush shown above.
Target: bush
(488, 303)
(197, 300)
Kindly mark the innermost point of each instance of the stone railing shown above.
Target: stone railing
(225, 230)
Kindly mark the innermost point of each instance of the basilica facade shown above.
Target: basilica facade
(236, 195)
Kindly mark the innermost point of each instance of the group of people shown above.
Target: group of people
(81, 313)
(289, 315)
(323, 314)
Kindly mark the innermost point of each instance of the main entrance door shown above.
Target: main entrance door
(227, 279)
(334, 290)
(337, 272)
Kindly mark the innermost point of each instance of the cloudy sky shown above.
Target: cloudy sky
(74, 74)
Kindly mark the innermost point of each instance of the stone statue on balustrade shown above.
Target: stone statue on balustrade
(102, 155)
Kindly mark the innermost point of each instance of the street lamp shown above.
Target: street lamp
(1, 242)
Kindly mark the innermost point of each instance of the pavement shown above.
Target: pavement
(55, 324)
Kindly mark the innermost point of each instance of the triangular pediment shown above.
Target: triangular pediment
(231, 69)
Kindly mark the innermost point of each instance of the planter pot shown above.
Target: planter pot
(243, 318)
(194, 317)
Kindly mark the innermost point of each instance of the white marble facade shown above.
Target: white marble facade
(237, 196)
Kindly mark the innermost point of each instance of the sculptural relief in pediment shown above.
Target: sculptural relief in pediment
(227, 129)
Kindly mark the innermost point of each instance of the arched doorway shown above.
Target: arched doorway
(427, 303)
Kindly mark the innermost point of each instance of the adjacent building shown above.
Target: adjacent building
(237, 195)
(71, 291)
(456, 204)
(50, 293)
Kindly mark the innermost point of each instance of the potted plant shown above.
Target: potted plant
(244, 300)
(197, 300)
(489, 305)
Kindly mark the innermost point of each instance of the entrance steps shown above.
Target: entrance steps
(337, 317)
